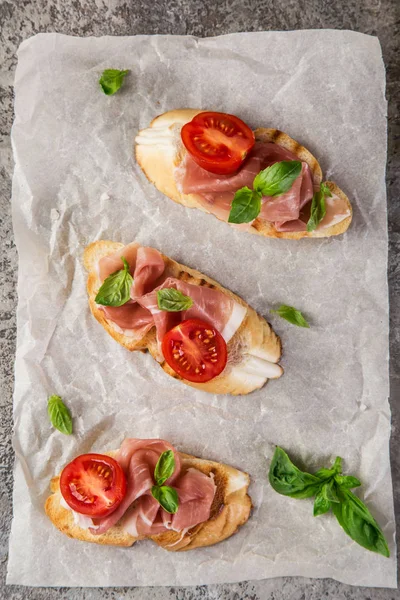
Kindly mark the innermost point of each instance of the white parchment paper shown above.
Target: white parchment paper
(76, 181)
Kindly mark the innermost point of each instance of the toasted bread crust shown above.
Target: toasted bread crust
(230, 509)
(159, 161)
(254, 337)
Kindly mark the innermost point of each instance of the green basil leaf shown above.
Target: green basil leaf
(59, 415)
(292, 315)
(111, 80)
(337, 465)
(324, 474)
(165, 467)
(321, 504)
(287, 479)
(278, 178)
(115, 290)
(318, 207)
(356, 520)
(328, 473)
(325, 190)
(173, 300)
(346, 482)
(246, 206)
(167, 497)
(329, 491)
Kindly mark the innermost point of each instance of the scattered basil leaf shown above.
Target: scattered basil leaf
(115, 290)
(111, 80)
(246, 206)
(167, 497)
(346, 482)
(359, 524)
(165, 467)
(330, 489)
(292, 315)
(173, 300)
(59, 415)
(318, 207)
(321, 504)
(278, 178)
(288, 480)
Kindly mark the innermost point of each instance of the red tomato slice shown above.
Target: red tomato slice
(93, 484)
(195, 350)
(217, 142)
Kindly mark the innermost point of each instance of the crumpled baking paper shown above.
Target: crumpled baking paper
(76, 181)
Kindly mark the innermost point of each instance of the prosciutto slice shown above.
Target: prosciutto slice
(148, 268)
(141, 313)
(195, 180)
(139, 512)
(288, 206)
(112, 263)
(130, 316)
(206, 302)
(216, 192)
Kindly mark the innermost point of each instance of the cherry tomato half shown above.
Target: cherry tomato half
(93, 484)
(217, 142)
(195, 350)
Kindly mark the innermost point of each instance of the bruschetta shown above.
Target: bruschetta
(213, 161)
(147, 489)
(199, 332)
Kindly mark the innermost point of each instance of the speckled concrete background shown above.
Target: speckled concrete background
(20, 19)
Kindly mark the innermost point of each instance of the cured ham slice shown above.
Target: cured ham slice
(193, 179)
(130, 316)
(216, 192)
(287, 206)
(219, 204)
(336, 210)
(112, 263)
(149, 267)
(196, 493)
(208, 305)
(138, 459)
(141, 514)
(141, 313)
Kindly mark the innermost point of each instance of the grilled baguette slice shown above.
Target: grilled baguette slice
(230, 509)
(253, 352)
(159, 151)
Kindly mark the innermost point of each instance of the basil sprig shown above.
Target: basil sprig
(59, 415)
(318, 207)
(115, 290)
(173, 300)
(165, 495)
(332, 491)
(272, 181)
(111, 80)
(291, 314)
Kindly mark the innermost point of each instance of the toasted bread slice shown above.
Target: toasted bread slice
(253, 351)
(159, 151)
(230, 509)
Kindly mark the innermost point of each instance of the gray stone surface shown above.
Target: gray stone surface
(20, 19)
